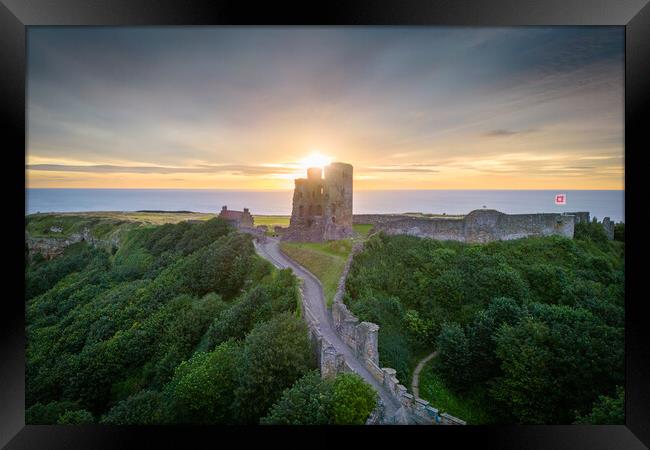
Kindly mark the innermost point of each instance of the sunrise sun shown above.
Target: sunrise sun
(315, 159)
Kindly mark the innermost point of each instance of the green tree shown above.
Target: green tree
(47, 414)
(203, 387)
(526, 388)
(606, 410)
(144, 408)
(556, 361)
(619, 232)
(482, 363)
(419, 327)
(307, 402)
(352, 400)
(453, 362)
(276, 353)
(77, 417)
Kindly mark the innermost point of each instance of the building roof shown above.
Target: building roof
(231, 215)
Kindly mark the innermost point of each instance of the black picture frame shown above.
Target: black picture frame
(16, 15)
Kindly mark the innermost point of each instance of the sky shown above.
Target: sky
(251, 107)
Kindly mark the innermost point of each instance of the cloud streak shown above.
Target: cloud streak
(506, 133)
(106, 168)
(222, 104)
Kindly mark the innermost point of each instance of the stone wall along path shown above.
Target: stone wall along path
(314, 303)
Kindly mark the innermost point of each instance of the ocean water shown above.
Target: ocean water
(599, 203)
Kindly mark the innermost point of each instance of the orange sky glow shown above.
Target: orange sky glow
(409, 108)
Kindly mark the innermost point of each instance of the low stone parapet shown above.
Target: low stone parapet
(329, 360)
(447, 419)
(363, 338)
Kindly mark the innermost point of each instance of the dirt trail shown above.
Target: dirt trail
(415, 383)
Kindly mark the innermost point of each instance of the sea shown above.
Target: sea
(610, 203)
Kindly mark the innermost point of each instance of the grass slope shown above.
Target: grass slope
(325, 260)
(271, 221)
(361, 230)
(433, 389)
(101, 222)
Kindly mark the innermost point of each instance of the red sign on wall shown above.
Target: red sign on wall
(560, 199)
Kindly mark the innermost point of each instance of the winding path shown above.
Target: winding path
(269, 248)
(415, 383)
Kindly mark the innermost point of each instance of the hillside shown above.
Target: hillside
(527, 331)
(179, 323)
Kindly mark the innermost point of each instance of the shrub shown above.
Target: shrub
(353, 400)
(619, 232)
(203, 387)
(606, 410)
(591, 231)
(307, 402)
(47, 414)
(78, 417)
(452, 361)
(275, 354)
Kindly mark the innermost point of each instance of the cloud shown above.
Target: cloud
(504, 132)
(107, 168)
(227, 100)
(405, 168)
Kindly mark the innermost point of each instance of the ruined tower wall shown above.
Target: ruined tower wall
(322, 207)
(338, 201)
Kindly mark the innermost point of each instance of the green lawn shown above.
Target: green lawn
(467, 408)
(101, 222)
(271, 221)
(325, 260)
(362, 229)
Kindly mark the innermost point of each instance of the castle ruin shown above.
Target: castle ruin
(481, 225)
(322, 206)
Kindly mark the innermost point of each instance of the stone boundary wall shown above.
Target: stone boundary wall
(482, 225)
(362, 338)
(608, 225)
(479, 226)
(330, 362)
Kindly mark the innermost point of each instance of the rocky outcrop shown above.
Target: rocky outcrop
(51, 247)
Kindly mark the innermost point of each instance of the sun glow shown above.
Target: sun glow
(315, 159)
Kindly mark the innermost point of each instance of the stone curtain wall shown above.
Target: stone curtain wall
(608, 225)
(329, 360)
(362, 338)
(479, 226)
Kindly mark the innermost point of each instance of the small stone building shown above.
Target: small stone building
(322, 206)
(238, 219)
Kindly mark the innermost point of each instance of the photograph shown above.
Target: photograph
(325, 225)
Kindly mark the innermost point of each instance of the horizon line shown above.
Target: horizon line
(291, 190)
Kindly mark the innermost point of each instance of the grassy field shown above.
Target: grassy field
(40, 224)
(439, 396)
(271, 221)
(325, 260)
(362, 229)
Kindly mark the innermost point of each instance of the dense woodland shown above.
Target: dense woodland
(530, 330)
(181, 324)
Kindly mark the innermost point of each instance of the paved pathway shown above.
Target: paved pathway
(415, 383)
(313, 296)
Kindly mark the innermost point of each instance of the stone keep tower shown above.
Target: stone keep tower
(322, 207)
